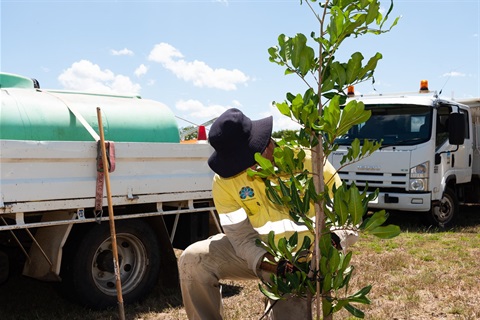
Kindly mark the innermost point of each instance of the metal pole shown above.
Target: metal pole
(111, 218)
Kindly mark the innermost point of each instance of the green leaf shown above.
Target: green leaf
(311, 287)
(354, 311)
(323, 263)
(362, 292)
(340, 205)
(346, 261)
(348, 275)
(267, 293)
(284, 189)
(354, 67)
(377, 219)
(305, 244)
(327, 282)
(341, 75)
(283, 108)
(373, 12)
(371, 65)
(341, 303)
(282, 247)
(293, 280)
(297, 106)
(338, 280)
(287, 159)
(331, 116)
(272, 194)
(271, 241)
(293, 240)
(355, 205)
(296, 201)
(264, 163)
(334, 261)
(386, 232)
(283, 287)
(327, 307)
(355, 148)
(302, 55)
(353, 113)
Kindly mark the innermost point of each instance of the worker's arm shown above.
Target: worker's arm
(237, 227)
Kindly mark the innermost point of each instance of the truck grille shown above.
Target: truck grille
(386, 182)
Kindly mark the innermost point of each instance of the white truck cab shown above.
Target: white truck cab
(429, 161)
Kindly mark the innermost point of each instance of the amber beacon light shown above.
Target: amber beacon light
(424, 86)
(350, 91)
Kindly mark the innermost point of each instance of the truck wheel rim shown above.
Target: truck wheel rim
(132, 260)
(443, 213)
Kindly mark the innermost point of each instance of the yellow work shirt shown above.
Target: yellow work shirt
(247, 214)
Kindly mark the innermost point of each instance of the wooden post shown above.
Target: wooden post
(111, 218)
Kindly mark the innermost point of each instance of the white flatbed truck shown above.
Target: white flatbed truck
(160, 190)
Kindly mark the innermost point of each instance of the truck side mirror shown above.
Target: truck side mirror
(456, 128)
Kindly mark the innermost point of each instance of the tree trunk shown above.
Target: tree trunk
(317, 170)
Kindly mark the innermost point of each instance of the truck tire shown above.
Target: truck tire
(90, 271)
(445, 214)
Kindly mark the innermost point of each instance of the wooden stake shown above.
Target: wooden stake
(111, 218)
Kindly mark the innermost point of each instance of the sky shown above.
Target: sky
(203, 57)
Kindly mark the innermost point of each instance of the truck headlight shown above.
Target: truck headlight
(419, 176)
(418, 184)
(420, 171)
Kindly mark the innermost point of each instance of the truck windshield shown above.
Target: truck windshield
(396, 124)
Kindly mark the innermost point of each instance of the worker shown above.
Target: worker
(245, 214)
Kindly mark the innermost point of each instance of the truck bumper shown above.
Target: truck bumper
(418, 202)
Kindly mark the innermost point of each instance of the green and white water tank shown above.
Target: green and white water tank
(30, 113)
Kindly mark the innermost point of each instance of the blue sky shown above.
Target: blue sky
(202, 57)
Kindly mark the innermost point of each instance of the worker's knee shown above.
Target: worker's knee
(190, 261)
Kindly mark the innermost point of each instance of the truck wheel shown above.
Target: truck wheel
(91, 271)
(445, 214)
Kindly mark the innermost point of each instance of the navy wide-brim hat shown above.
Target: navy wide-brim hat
(236, 138)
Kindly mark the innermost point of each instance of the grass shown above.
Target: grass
(422, 274)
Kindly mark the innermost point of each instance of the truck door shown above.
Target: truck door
(464, 157)
(460, 160)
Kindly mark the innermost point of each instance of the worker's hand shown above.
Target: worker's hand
(268, 263)
(285, 267)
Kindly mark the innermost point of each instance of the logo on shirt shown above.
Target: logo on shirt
(246, 192)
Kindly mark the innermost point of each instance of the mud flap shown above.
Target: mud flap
(168, 276)
(46, 253)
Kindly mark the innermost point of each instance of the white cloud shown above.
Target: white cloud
(236, 104)
(197, 72)
(141, 70)
(163, 53)
(280, 121)
(454, 74)
(197, 109)
(196, 113)
(86, 76)
(123, 52)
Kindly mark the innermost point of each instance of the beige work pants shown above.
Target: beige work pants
(203, 264)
